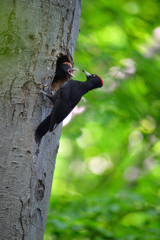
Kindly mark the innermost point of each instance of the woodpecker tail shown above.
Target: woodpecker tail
(42, 129)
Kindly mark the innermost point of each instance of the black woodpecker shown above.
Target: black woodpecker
(64, 100)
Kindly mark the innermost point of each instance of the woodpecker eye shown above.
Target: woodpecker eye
(94, 75)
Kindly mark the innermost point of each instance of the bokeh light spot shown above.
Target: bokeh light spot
(156, 148)
(135, 138)
(131, 173)
(77, 167)
(131, 7)
(148, 125)
(98, 165)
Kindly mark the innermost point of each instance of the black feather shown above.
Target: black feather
(64, 100)
(42, 129)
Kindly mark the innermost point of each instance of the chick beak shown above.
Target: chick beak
(70, 71)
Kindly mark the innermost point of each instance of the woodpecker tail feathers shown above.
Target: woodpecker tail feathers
(42, 129)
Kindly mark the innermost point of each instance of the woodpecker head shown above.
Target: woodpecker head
(66, 68)
(96, 80)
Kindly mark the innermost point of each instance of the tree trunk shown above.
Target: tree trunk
(33, 35)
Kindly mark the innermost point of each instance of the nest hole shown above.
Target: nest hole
(56, 84)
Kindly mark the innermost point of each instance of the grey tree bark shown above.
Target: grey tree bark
(33, 35)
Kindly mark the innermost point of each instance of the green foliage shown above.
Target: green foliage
(106, 183)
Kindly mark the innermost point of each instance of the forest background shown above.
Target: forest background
(106, 183)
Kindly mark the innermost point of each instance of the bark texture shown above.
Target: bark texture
(33, 35)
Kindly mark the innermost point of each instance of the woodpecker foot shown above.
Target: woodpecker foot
(43, 92)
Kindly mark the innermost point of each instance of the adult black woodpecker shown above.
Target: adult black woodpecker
(64, 100)
(63, 73)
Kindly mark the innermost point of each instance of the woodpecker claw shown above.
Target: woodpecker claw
(43, 92)
(86, 73)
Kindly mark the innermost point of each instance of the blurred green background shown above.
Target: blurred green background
(107, 177)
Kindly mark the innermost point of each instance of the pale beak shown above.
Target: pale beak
(70, 71)
(87, 74)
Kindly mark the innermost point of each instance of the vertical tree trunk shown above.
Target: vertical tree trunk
(33, 34)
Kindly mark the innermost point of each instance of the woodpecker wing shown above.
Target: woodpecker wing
(61, 105)
(42, 129)
(59, 112)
